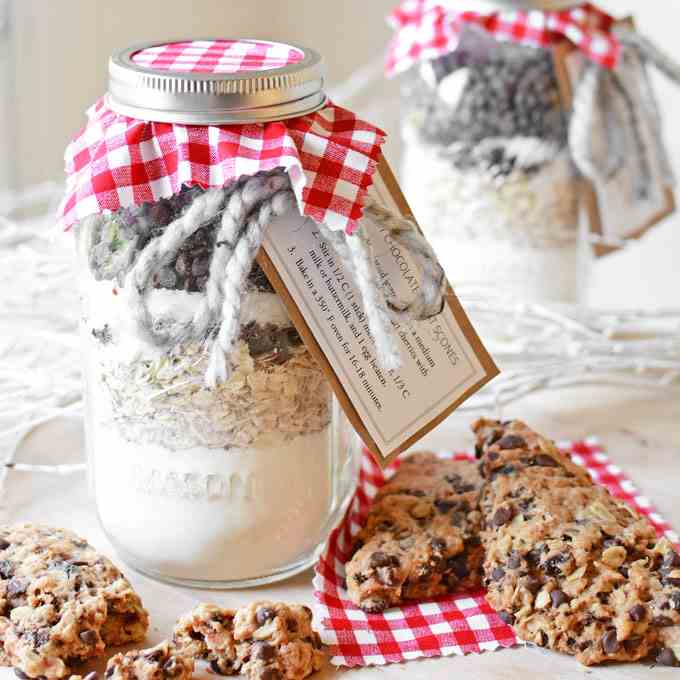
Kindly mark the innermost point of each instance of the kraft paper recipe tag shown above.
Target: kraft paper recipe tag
(443, 359)
(636, 191)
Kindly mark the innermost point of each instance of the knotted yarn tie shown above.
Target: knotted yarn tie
(247, 208)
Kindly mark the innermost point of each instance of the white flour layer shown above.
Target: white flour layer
(209, 514)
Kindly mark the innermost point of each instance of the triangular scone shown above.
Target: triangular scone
(569, 566)
(422, 535)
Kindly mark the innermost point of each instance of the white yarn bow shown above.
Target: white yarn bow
(247, 208)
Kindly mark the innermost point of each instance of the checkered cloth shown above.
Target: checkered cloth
(427, 29)
(117, 162)
(218, 56)
(452, 625)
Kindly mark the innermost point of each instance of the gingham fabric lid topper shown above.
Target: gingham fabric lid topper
(427, 29)
(118, 160)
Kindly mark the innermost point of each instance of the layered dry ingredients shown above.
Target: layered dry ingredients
(486, 167)
(192, 482)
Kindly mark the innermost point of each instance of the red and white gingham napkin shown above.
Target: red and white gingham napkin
(427, 29)
(117, 161)
(452, 625)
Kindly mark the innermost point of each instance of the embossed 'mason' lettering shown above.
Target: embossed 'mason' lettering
(192, 485)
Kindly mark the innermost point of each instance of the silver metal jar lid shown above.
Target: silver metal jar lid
(216, 81)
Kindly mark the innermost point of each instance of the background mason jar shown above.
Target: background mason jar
(487, 170)
(233, 485)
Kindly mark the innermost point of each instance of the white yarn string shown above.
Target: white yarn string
(159, 252)
(236, 272)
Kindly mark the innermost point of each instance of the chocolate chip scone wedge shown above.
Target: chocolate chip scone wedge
(569, 566)
(162, 662)
(263, 641)
(422, 537)
(61, 602)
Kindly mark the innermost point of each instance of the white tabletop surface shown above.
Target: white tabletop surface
(640, 431)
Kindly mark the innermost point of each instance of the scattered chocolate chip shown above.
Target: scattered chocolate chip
(631, 644)
(497, 573)
(262, 651)
(479, 451)
(493, 455)
(511, 441)
(492, 438)
(507, 617)
(552, 565)
(155, 655)
(666, 657)
(558, 598)
(89, 637)
(543, 460)
(270, 674)
(20, 674)
(109, 671)
(533, 557)
(637, 613)
(662, 621)
(444, 506)
(502, 516)
(623, 571)
(221, 667)
(458, 565)
(533, 585)
(610, 644)
(4, 544)
(264, 614)
(542, 639)
(291, 624)
(374, 606)
(382, 559)
(453, 478)
(514, 560)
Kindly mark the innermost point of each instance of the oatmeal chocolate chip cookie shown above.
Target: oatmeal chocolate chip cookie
(263, 641)
(60, 601)
(207, 632)
(569, 566)
(422, 535)
(162, 662)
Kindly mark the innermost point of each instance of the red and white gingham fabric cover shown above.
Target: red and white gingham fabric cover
(452, 625)
(427, 29)
(117, 162)
(218, 56)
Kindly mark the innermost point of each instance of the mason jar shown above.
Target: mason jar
(486, 165)
(224, 485)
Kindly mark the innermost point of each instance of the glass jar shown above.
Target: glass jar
(215, 482)
(235, 484)
(487, 169)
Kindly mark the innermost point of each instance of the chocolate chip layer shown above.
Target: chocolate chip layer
(422, 535)
(569, 566)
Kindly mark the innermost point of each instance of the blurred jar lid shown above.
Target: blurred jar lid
(216, 81)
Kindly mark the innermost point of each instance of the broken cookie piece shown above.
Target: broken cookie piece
(62, 602)
(162, 662)
(422, 536)
(569, 566)
(263, 641)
